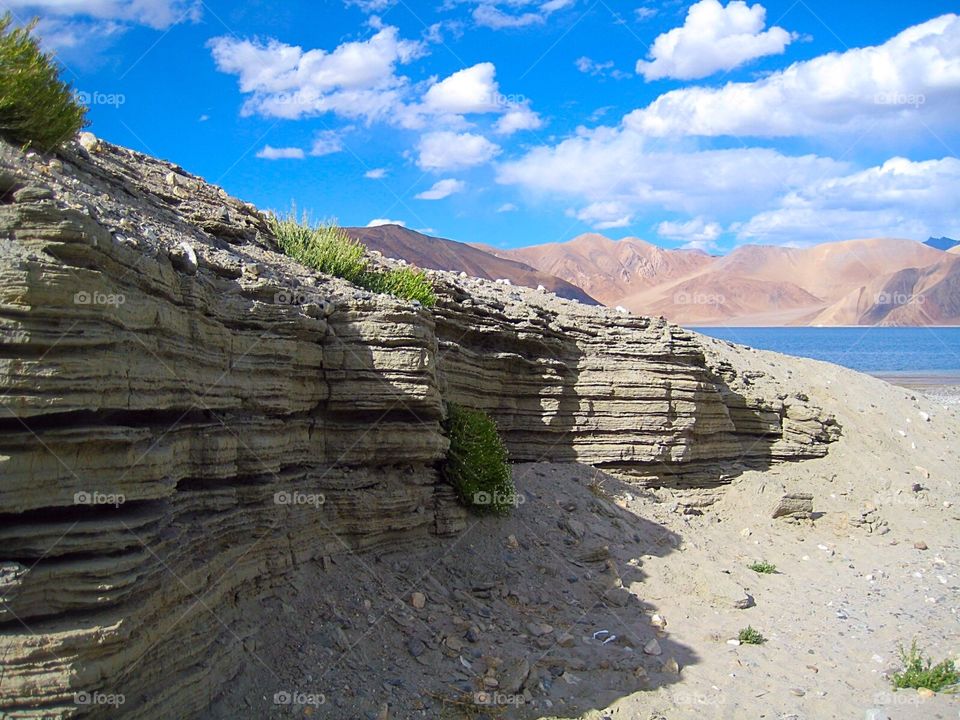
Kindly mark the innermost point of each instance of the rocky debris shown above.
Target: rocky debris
(795, 506)
(869, 520)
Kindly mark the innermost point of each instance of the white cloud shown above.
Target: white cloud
(158, 14)
(327, 142)
(911, 81)
(285, 153)
(472, 90)
(377, 222)
(376, 174)
(605, 215)
(445, 150)
(601, 69)
(518, 117)
(487, 13)
(644, 13)
(696, 234)
(713, 38)
(608, 165)
(900, 198)
(507, 207)
(356, 79)
(441, 189)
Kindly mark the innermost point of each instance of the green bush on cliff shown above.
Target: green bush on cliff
(477, 462)
(36, 107)
(327, 248)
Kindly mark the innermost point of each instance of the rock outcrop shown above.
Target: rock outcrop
(186, 415)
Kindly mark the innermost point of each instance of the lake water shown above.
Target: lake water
(925, 351)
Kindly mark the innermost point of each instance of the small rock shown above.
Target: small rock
(658, 621)
(744, 602)
(416, 647)
(513, 675)
(512, 542)
(184, 258)
(539, 629)
(89, 142)
(418, 600)
(652, 647)
(925, 692)
(794, 505)
(670, 666)
(799, 692)
(566, 640)
(920, 545)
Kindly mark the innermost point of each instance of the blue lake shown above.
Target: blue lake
(876, 350)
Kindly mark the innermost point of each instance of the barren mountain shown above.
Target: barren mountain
(441, 254)
(610, 269)
(832, 283)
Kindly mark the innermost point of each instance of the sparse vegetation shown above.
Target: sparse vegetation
(477, 462)
(36, 107)
(763, 567)
(920, 672)
(327, 248)
(749, 636)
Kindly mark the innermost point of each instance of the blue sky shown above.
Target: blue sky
(708, 124)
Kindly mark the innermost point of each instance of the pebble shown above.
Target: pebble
(184, 258)
(658, 621)
(418, 600)
(89, 142)
(920, 545)
(652, 647)
(925, 692)
(670, 666)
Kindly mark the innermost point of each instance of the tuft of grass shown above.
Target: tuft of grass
(327, 248)
(36, 107)
(920, 672)
(477, 462)
(749, 636)
(763, 567)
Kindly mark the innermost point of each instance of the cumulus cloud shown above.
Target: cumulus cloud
(713, 38)
(618, 165)
(900, 198)
(446, 150)
(376, 174)
(605, 215)
(377, 222)
(356, 80)
(518, 117)
(472, 90)
(696, 234)
(600, 69)
(910, 81)
(285, 153)
(441, 189)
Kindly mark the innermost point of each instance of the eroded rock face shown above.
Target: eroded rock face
(185, 415)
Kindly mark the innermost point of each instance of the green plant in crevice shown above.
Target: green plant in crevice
(476, 463)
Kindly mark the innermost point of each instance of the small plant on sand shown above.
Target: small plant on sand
(749, 636)
(477, 462)
(763, 567)
(329, 249)
(920, 672)
(36, 107)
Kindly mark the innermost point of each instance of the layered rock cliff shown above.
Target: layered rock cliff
(186, 415)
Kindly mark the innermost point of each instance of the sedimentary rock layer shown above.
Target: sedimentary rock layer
(185, 415)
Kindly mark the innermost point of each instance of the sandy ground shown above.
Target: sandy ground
(522, 610)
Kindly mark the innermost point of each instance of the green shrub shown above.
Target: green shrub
(763, 567)
(477, 462)
(327, 248)
(920, 672)
(36, 107)
(749, 636)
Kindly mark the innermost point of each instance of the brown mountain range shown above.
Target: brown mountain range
(441, 254)
(875, 281)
